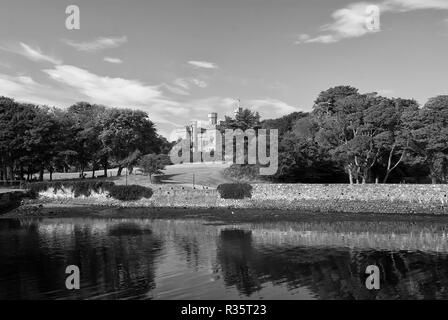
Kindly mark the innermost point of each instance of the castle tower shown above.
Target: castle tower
(213, 118)
(238, 109)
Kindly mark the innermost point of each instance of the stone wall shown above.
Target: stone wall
(371, 198)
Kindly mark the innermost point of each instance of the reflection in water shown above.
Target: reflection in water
(190, 259)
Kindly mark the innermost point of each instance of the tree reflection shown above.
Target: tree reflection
(330, 273)
(120, 265)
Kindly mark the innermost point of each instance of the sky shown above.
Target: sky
(178, 60)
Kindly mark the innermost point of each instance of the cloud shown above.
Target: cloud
(113, 60)
(34, 54)
(25, 89)
(203, 64)
(351, 21)
(176, 90)
(409, 5)
(199, 83)
(271, 108)
(182, 83)
(185, 84)
(106, 90)
(97, 44)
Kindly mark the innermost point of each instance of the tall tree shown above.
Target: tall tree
(429, 131)
(125, 131)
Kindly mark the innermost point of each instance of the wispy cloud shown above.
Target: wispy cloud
(203, 64)
(176, 90)
(271, 107)
(34, 54)
(26, 89)
(185, 84)
(106, 90)
(200, 83)
(350, 22)
(409, 5)
(97, 44)
(113, 60)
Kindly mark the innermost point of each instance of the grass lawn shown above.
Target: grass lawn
(205, 175)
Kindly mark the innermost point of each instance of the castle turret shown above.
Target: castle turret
(237, 111)
(213, 118)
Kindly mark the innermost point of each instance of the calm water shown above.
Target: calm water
(194, 259)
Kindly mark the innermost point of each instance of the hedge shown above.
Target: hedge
(130, 193)
(235, 190)
(85, 188)
(79, 187)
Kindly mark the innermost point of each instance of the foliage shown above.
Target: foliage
(130, 193)
(428, 129)
(245, 119)
(283, 124)
(35, 139)
(86, 188)
(152, 164)
(78, 187)
(235, 190)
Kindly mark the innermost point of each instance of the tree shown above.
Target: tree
(244, 119)
(86, 126)
(363, 130)
(283, 124)
(152, 164)
(325, 102)
(301, 159)
(125, 131)
(132, 160)
(428, 129)
(394, 140)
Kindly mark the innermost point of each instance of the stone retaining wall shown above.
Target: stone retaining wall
(398, 199)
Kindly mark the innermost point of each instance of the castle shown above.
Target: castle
(203, 134)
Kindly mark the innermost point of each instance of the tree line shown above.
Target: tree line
(357, 138)
(37, 139)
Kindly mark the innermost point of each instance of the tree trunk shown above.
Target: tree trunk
(93, 172)
(120, 169)
(9, 173)
(41, 174)
(105, 169)
(387, 176)
(350, 176)
(51, 175)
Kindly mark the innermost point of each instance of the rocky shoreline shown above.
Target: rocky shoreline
(78, 209)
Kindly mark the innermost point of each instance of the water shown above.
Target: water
(196, 259)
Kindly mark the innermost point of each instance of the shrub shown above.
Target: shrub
(130, 193)
(79, 187)
(235, 190)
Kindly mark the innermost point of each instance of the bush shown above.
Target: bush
(130, 193)
(79, 187)
(235, 190)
